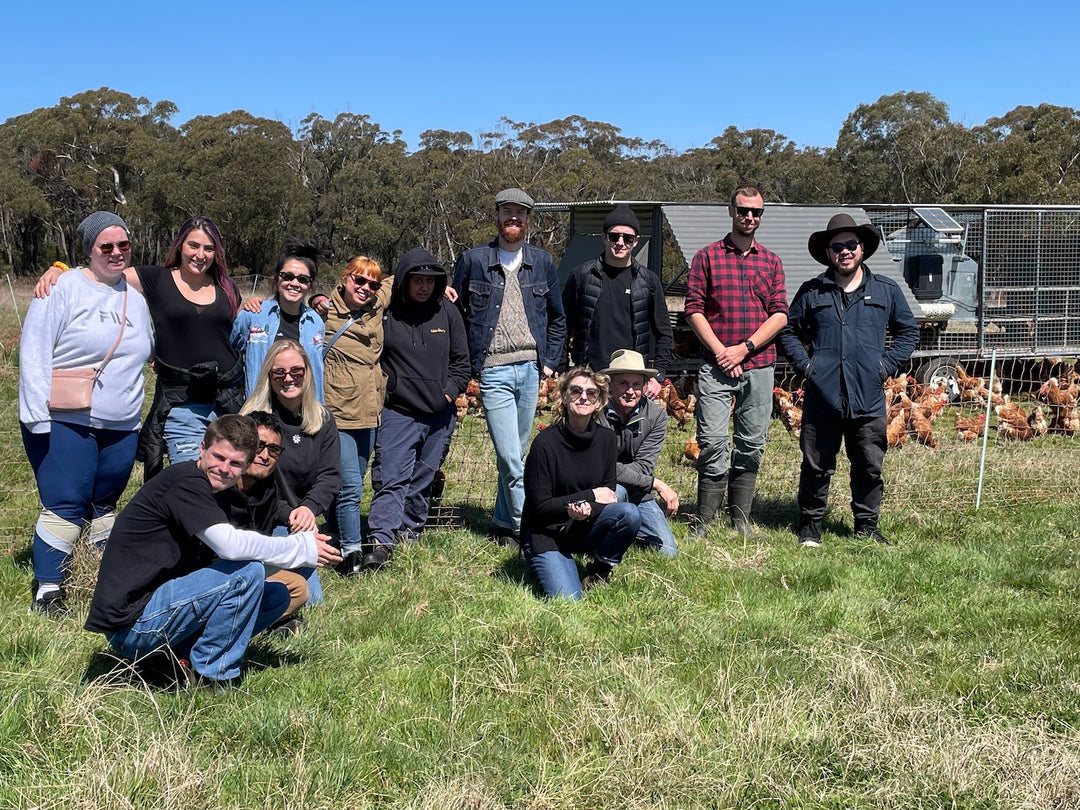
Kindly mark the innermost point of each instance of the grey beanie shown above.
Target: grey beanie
(622, 215)
(91, 227)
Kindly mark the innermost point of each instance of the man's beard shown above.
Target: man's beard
(512, 231)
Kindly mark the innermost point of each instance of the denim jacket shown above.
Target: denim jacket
(480, 281)
(253, 334)
(847, 352)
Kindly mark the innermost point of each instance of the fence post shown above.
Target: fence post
(986, 432)
(14, 303)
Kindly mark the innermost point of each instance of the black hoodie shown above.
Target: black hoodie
(425, 351)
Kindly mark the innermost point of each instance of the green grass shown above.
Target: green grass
(944, 672)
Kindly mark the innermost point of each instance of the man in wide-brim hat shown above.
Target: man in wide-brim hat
(835, 338)
(641, 426)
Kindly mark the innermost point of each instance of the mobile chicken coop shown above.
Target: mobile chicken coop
(979, 279)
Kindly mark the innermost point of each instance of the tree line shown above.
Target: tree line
(358, 188)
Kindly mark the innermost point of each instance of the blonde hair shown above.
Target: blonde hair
(311, 410)
(361, 266)
(598, 379)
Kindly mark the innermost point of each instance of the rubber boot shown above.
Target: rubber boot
(711, 494)
(740, 500)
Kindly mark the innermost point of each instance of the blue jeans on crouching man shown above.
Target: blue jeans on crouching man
(207, 616)
(605, 540)
(655, 530)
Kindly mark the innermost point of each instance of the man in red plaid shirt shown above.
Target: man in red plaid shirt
(736, 304)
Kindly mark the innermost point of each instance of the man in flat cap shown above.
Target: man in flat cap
(614, 301)
(835, 338)
(736, 303)
(508, 291)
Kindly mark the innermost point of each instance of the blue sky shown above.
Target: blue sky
(681, 75)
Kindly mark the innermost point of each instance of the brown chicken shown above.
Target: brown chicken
(462, 405)
(548, 395)
(921, 427)
(1013, 422)
(790, 413)
(931, 401)
(1066, 421)
(1037, 421)
(691, 451)
(895, 385)
(970, 428)
(896, 432)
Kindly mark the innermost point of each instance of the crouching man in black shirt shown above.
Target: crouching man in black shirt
(159, 584)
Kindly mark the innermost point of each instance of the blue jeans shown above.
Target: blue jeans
(356, 447)
(185, 427)
(606, 540)
(752, 395)
(81, 472)
(208, 616)
(509, 395)
(655, 532)
(408, 453)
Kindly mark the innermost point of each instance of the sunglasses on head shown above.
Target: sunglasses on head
(108, 247)
(287, 276)
(576, 392)
(279, 374)
(273, 449)
(362, 281)
(851, 244)
(747, 211)
(628, 238)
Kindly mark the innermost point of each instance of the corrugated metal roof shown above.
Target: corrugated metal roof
(784, 230)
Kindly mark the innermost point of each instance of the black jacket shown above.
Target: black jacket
(425, 349)
(649, 313)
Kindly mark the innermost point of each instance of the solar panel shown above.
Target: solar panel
(938, 220)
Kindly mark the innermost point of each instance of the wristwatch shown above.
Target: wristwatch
(749, 344)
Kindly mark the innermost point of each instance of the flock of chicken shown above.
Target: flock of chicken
(913, 408)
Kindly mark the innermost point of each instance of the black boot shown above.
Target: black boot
(740, 499)
(711, 494)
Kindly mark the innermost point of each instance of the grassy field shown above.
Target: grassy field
(943, 672)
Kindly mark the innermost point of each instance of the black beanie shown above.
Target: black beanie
(622, 215)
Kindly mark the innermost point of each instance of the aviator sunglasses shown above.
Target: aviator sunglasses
(108, 247)
(851, 244)
(287, 276)
(576, 391)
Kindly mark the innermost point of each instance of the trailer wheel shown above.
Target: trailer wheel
(939, 370)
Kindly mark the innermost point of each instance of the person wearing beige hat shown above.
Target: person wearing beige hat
(836, 338)
(640, 425)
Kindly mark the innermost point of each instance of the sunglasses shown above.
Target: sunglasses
(747, 211)
(304, 280)
(851, 244)
(576, 392)
(628, 238)
(361, 281)
(108, 247)
(279, 374)
(273, 449)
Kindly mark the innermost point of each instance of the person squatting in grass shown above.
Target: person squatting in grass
(158, 584)
(82, 459)
(640, 426)
(256, 503)
(426, 361)
(284, 317)
(570, 502)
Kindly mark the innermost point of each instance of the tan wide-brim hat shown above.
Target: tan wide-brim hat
(818, 242)
(627, 361)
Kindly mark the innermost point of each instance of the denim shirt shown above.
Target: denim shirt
(480, 281)
(253, 334)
